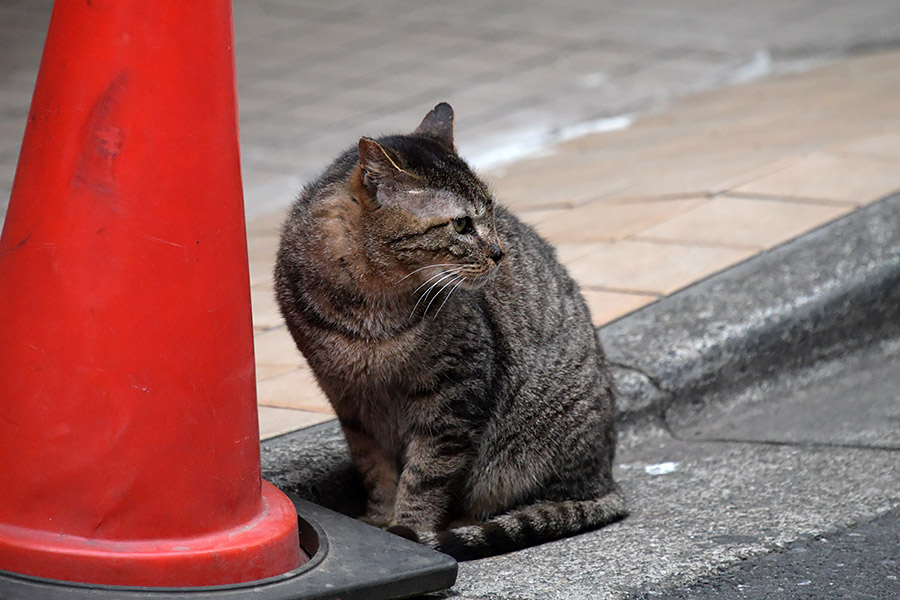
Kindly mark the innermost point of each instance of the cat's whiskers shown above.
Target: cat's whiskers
(444, 286)
(443, 275)
(422, 269)
(450, 293)
(438, 275)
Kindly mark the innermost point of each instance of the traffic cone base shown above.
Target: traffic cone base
(349, 560)
(268, 544)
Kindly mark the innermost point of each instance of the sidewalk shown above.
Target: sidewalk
(686, 191)
(314, 75)
(706, 175)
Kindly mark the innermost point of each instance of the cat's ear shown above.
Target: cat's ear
(375, 163)
(438, 124)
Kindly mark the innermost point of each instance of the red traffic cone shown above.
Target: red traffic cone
(129, 449)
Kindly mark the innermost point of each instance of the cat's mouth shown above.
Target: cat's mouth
(477, 280)
(436, 279)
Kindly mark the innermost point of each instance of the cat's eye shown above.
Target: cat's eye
(462, 225)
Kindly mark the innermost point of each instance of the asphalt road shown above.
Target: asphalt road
(851, 402)
(861, 562)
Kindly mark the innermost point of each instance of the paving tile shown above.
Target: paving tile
(266, 196)
(418, 78)
(266, 314)
(567, 253)
(312, 78)
(682, 73)
(296, 389)
(348, 99)
(743, 222)
(278, 421)
(701, 170)
(268, 224)
(607, 306)
(285, 132)
(251, 22)
(606, 221)
(485, 96)
(716, 140)
(504, 55)
(649, 267)
(536, 217)
(15, 99)
(653, 157)
(547, 188)
(276, 347)
(601, 57)
(261, 252)
(7, 176)
(886, 145)
(284, 169)
(264, 371)
(829, 176)
(377, 124)
(12, 127)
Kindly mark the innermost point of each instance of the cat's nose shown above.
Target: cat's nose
(496, 253)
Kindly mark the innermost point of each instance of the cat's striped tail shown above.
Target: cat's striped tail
(528, 526)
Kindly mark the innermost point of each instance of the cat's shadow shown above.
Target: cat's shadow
(315, 465)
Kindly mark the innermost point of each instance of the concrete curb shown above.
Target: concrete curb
(820, 295)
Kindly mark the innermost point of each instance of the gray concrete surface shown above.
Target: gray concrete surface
(721, 503)
(313, 76)
(697, 507)
(860, 563)
(805, 335)
(821, 404)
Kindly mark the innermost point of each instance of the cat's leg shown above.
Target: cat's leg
(439, 429)
(379, 475)
(429, 483)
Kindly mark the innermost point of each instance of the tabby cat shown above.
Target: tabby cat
(456, 351)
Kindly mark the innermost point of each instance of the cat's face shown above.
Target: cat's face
(437, 236)
(431, 219)
(434, 228)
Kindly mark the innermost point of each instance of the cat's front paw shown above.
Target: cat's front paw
(378, 521)
(404, 531)
(426, 538)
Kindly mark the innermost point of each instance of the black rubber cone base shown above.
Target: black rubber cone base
(348, 560)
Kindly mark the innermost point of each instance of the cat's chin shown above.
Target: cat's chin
(478, 282)
(473, 284)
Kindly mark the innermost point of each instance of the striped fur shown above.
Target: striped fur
(456, 351)
(527, 526)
